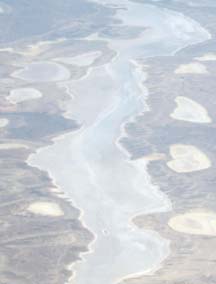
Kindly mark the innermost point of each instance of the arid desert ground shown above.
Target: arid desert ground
(107, 141)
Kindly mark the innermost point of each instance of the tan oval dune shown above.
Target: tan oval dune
(191, 68)
(3, 122)
(187, 159)
(195, 223)
(8, 146)
(189, 110)
(23, 94)
(207, 57)
(46, 209)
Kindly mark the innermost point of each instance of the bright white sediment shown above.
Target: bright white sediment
(3, 122)
(23, 94)
(195, 223)
(192, 68)
(11, 146)
(207, 57)
(187, 159)
(189, 110)
(45, 208)
(43, 71)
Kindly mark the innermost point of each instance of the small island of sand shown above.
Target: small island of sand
(189, 110)
(195, 223)
(192, 68)
(187, 159)
(23, 94)
(46, 209)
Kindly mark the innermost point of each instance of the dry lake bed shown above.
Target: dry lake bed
(107, 142)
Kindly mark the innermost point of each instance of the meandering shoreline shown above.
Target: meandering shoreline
(91, 245)
(108, 137)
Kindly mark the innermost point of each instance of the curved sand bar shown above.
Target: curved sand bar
(192, 68)
(46, 209)
(195, 223)
(23, 94)
(12, 146)
(187, 159)
(189, 110)
(43, 71)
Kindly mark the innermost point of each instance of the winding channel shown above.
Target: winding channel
(90, 165)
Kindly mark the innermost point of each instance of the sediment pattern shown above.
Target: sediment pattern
(41, 231)
(79, 73)
(190, 225)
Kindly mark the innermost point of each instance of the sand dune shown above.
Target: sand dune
(187, 158)
(46, 209)
(192, 68)
(195, 223)
(189, 110)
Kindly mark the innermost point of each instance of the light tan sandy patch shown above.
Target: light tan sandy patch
(155, 157)
(80, 60)
(33, 49)
(189, 110)
(23, 94)
(191, 68)
(3, 122)
(8, 146)
(195, 223)
(46, 209)
(187, 158)
(39, 47)
(55, 190)
(42, 71)
(7, 49)
(207, 57)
